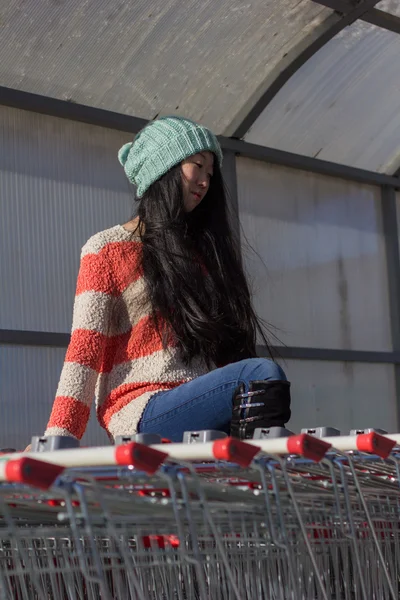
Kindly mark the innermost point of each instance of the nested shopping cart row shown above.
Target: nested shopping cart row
(291, 518)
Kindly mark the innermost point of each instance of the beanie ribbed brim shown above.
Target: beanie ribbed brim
(163, 144)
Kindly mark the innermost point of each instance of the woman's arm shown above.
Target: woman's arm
(86, 356)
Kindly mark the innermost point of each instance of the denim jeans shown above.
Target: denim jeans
(204, 402)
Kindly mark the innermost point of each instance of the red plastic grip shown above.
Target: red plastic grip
(32, 472)
(375, 443)
(144, 458)
(163, 492)
(307, 446)
(234, 450)
(162, 541)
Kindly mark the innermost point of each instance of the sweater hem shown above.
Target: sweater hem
(126, 420)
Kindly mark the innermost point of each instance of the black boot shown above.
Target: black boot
(266, 404)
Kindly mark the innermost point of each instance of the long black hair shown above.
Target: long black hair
(192, 269)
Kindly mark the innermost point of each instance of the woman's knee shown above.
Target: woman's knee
(257, 369)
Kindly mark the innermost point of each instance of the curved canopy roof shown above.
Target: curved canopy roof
(315, 78)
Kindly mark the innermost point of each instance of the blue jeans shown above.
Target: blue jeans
(204, 402)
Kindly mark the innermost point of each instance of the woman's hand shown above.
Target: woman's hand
(28, 448)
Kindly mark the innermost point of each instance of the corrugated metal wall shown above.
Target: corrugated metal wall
(28, 381)
(345, 395)
(60, 182)
(319, 276)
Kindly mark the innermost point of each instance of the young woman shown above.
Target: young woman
(164, 333)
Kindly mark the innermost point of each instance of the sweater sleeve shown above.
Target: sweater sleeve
(86, 354)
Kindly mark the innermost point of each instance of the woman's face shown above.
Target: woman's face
(197, 171)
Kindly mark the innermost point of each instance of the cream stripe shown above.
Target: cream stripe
(77, 381)
(91, 311)
(126, 420)
(97, 311)
(59, 431)
(102, 238)
(128, 309)
(160, 367)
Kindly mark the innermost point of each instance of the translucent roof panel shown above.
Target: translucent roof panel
(202, 59)
(343, 105)
(390, 6)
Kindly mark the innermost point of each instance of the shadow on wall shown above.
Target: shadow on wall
(276, 193)
(342, 395)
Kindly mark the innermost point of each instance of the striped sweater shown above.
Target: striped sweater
(115, 354)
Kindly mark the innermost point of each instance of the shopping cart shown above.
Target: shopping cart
(280, 519)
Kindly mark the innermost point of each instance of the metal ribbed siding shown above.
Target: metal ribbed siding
(343, 105)
(60, 182)
(28, 382)
(199, 59)
(323, 283)
(342, 395)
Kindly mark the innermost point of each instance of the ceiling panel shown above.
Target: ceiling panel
(390, 6)
(343, 105)
(203, 59)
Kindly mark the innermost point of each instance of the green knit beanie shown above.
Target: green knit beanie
(161, 145)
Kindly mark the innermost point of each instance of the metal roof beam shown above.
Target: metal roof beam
(65, 109)
(377, 17)
(104, 118)
(290, 64)
(307, 163)
(382, 19)
(61, 340)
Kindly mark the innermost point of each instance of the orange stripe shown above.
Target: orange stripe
(142, 340)
(71, 414)
(126, 393)
(86, 348)
(99, 352)
(126, 263)
(111, 270)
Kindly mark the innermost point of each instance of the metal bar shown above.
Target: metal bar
(340, 6)
(292, 63)
(230, 178)
(375, 16)
(110, 456)
(382, 19)
(61, 340)
(390, 229)
(304, 353)
(69, 110)
(34, 338)
(391, 236)
(103, 118)
(306, 163)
